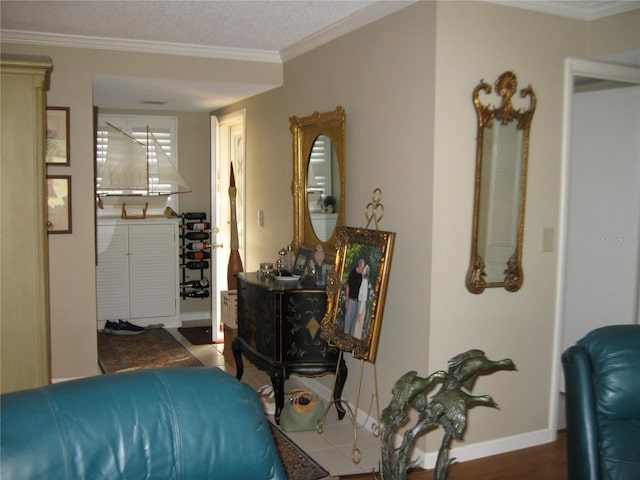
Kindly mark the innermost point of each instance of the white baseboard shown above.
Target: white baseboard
(170, 323)
(491, 447)
(196, 323)
(461, 454)
(195, 316)
(203, 318)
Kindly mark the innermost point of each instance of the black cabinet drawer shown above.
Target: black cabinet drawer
(282, 323)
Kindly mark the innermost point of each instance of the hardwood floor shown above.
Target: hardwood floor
(548, 462)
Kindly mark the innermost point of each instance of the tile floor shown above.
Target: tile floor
(333, 448)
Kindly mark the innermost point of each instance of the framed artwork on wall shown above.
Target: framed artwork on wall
(58, 203)
(58, 136)
(356, 290)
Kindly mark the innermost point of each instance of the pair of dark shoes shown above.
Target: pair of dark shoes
(122, 328)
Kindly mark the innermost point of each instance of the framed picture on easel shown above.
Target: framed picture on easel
(356, 290)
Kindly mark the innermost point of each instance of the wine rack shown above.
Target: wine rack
(195, 255)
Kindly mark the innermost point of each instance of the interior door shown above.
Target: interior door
(112, 273)
(228, 137)
(153, 270)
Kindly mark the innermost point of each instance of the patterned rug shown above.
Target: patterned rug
(297, 464)
(153, 348)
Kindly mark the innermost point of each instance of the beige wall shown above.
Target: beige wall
(405, 82)
(517, 325)
(615, 34)
(383, 76)
(72, 257)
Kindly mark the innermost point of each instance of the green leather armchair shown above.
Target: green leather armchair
(602, 380)
(164, 424)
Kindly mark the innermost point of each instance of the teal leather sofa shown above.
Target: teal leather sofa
(165, 424)
(602, 380)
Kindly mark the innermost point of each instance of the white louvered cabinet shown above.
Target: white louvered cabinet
(137, 273)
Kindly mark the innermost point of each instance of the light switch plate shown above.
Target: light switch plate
(547, 239)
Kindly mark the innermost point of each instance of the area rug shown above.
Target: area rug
(153, 348)
(297, 464)
(198, 335)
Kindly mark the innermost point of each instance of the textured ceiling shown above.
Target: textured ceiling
(266, 30)
(250, 30)
(255, 25)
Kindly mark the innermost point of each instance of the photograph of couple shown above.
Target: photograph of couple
(356, 296)
(357, 289)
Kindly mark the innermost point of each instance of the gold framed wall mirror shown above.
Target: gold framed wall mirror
(319, 178)
(502, 150)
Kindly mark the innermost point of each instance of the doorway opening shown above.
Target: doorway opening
(227, 148)
(599, 247)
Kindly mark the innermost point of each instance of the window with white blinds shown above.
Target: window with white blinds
(319, 184)
(163, 128)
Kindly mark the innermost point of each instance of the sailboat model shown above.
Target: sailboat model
(133, 169)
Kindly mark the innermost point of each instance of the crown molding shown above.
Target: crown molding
(580, 10)
(346, 25)
(143, 46)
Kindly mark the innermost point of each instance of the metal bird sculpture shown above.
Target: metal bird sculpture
(406, 389)
(465, 367)
(447, 408)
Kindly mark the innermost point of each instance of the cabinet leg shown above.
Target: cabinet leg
(337, 393)
(277, 380)
(236, 349)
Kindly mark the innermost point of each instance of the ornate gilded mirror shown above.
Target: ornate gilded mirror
(502, 147)
(319, 180)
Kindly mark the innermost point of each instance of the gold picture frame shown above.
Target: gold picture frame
(58, 136)
(58, 203)
(365, 253)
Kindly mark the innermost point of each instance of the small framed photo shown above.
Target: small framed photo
(356, 290)
(58, 203)
(58, 136)
(302, 261)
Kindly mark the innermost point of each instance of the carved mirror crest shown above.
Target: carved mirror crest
(502, 147)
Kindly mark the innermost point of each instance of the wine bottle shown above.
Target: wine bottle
(194, 215)
(195, 294)
(197, 265)
(199, 255)
(196, 236)
(196, 226)
(197, 246)
(203, 283)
